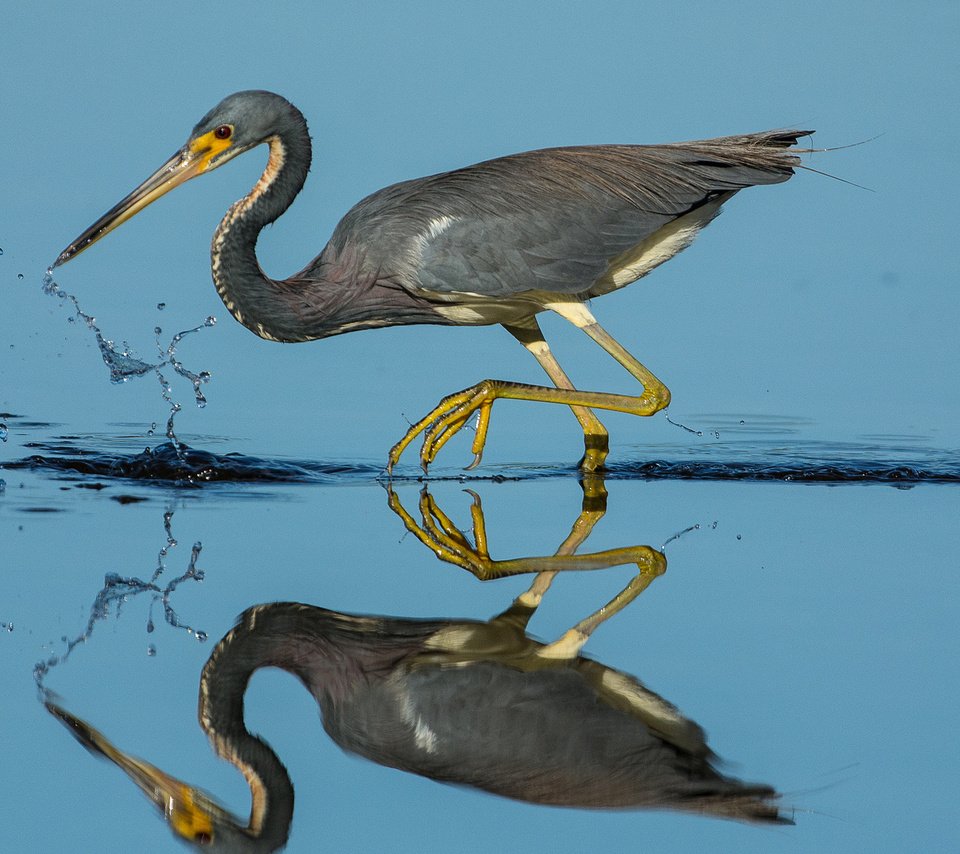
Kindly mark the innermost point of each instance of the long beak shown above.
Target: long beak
(188, 810)
(183, 166)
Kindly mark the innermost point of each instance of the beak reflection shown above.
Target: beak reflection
(476, 703)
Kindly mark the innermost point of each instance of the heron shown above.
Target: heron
(498, 242)
(460, 701)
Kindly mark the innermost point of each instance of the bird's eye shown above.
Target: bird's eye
(223, 132)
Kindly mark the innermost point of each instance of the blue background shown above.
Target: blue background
(811, 632)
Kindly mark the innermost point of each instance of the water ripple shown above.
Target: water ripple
(800, 462)
(184, 465)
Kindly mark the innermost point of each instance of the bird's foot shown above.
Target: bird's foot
(446, 419)
(596, 447)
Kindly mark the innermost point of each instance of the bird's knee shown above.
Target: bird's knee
(653, 400)
(661, 398)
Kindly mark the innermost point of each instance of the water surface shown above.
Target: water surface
(792, 605)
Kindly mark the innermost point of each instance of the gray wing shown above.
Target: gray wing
(551, 219)
(542, 736)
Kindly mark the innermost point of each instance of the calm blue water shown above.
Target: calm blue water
(806, 619)
(805, 626)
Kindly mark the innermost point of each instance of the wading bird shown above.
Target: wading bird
(460, 701)
(497, 242)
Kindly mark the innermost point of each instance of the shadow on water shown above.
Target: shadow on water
(475, 703)
(742, 460)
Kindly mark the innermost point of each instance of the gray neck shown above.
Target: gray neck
(326, 651)
(336, 293)
(257, 301)
(221, 712)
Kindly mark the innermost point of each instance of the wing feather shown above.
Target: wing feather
(553, 219)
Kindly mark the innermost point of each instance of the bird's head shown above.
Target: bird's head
(193, 816)
(238, 123)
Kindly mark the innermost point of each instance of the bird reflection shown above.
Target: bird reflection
(475, 703)
(438, 532)
(118, 589)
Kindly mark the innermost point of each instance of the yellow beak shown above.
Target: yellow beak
(195, 157)
(183, 166)
(188, 810)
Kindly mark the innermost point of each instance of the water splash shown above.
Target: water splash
(186, 466)
(679, 534)
(4, 432)
(684, 427)
(117, 590)
(124, 365)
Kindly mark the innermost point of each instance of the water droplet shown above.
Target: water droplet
(157, 330)
(151, 650)
(210, 321)
(3, 432)
(739, 537)
(161, 306)
(20, 276)
(201, 636)
(1, 252)
(7, 627)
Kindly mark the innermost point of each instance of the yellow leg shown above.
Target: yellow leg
(591, 511)
(438, 532)
(568, 646)
(596, 441)
(651, 563)
(455, 410)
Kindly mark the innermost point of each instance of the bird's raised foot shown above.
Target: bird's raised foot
(446, 419)
(455, 410)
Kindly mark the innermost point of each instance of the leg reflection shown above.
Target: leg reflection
(439, 533)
